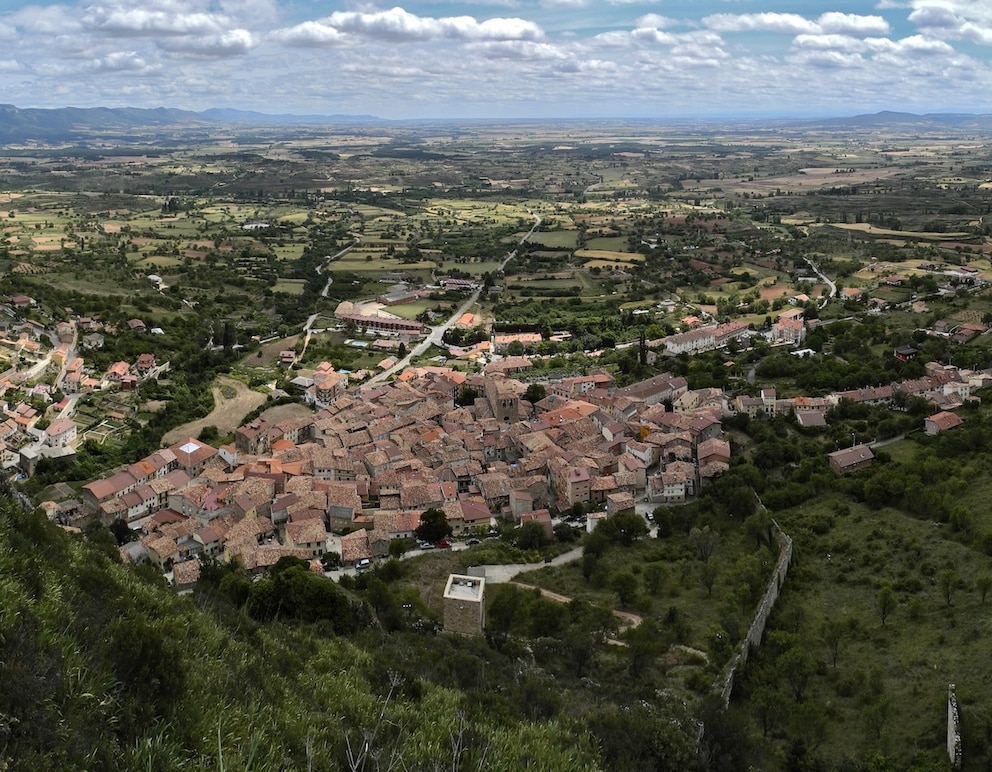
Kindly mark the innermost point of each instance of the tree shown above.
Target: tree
(531, 536)
(434, 526)
(654, 576)
(948, 581)
(759, 527)
(704, 541)
(535, 392)
(119, 528)
(984, 584)
(768, 708)
(623, 528)
(885, 601)
(707, 576)
(833, 634)
(797, 666)
(565, 534)
(624, 584)
(466, 396)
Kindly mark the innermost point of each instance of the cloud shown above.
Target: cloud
(852, 24)
(794, 24)
(120, 61)
(400, 26)
(131, 22)
(791, 23)
(953, 20)
(45, 20)
(236, 42)
(655, 20)
(522, 50)
(310, 33)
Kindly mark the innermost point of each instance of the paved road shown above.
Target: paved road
(823, 276)
(436, 334)
(505, 573)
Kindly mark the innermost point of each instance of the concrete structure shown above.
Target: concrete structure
(465, 605)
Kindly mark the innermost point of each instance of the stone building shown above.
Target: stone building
(465, 605)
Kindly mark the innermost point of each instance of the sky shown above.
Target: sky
(508, 59)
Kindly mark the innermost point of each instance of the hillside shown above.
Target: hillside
(103, 667)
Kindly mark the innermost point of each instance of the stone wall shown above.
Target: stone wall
(953, 729)
(753, 638)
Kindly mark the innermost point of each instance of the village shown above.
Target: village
(359, 472)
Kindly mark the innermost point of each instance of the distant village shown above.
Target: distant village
(359, 471)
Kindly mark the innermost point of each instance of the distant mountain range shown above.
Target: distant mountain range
(67, 124)
(889, 119)
(78, 124)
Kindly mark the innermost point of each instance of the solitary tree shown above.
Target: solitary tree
(535, 392)
(984, 584)
(885, 601)
(948, 582)
(624, 584)
(704, 541)
(833, 634)
(434, 526)
(797, 666)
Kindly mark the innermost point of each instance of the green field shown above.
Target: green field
(290, 286)
(560, 239)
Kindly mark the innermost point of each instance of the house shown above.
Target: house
(192, 455)
(145, 363)
(186, 574)
(307, 534)
(355, 546)
(61, 433)
(117, 371)
(541, 516)
(941, 422)
(619, 503)
(850, 460)
(905, 353)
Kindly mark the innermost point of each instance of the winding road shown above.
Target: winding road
(434, 338)
(823, 276)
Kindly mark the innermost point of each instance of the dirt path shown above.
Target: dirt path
(227, 414)
(627, 620)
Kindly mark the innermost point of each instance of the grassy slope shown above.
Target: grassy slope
(101, 667)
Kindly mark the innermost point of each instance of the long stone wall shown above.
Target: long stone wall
(953, 729)
(757, 628)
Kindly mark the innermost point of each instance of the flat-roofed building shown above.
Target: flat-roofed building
(464, 605)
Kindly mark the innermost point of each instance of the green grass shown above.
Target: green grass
(289, 252)
(290, 286)
(611, 243)
(411, 310)
(566, 239)
(843, 551)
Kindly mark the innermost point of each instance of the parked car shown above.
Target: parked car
(471, 542)
(443, 544)
(425, 545)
